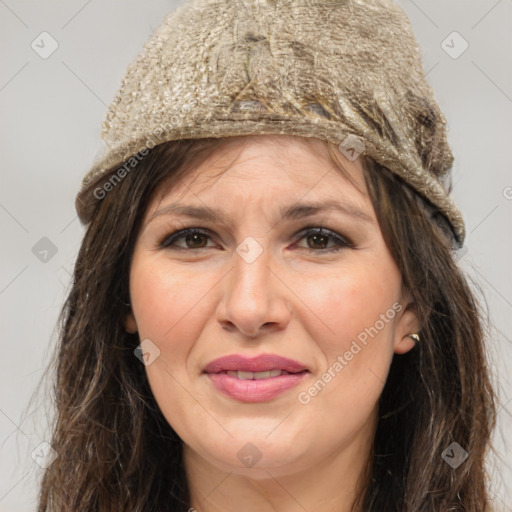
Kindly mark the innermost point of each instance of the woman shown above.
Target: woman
(266, 311)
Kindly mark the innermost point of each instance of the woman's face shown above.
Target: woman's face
(303, 324)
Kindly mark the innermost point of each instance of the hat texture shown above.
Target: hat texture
(345, 71)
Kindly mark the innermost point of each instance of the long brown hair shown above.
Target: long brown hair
(116, 451)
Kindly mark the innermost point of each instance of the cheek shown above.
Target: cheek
(354, 334)
(357, 352)
(166, 303)
(349, 305)
(169, 310)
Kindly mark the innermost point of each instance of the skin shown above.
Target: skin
(294, 300)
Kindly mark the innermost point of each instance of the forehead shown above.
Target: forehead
(269, 166)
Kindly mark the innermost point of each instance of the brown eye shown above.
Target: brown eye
(319, 238)
(194, 239)
(318, 241)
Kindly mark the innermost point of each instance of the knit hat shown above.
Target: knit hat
(345, 71)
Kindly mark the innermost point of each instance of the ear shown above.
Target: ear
(407, 324)
(130, 324)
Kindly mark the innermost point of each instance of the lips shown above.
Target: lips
(259, 364)
(257, 379)
(242, 375)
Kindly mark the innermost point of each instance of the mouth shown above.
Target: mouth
(244, 375)
(257, 379)
(258, 365)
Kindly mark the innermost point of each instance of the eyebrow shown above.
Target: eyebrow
(296, 211)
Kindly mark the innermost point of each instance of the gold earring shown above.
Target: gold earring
(415, 337)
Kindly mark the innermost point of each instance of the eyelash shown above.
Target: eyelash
(342, 242)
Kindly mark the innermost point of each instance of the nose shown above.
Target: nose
(254, 298)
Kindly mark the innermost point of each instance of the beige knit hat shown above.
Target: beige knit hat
(345, 71)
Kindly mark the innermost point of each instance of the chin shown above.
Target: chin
(256, 459)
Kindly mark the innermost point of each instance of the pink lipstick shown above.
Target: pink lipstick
(256, 379)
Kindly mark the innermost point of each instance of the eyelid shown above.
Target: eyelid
(179, 232)
(319, 229)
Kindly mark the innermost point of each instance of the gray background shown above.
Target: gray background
(51, 113)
